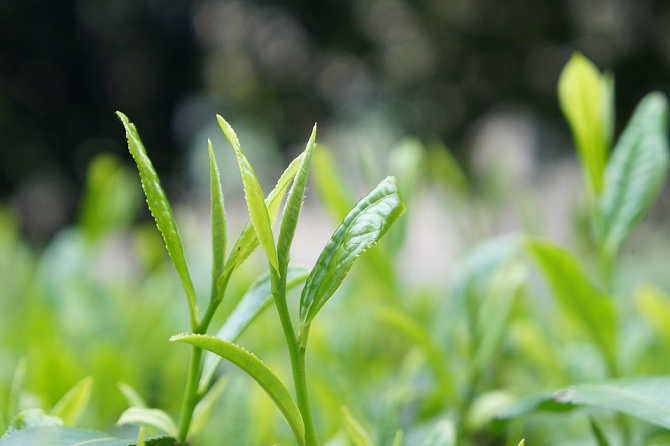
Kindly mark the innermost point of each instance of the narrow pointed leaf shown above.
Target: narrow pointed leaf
(258, 211)
(646, 398)
(218, 215)
(635, 173)
(577, 294)
(330, 184)
(70, 407)
(364, 226)
(67, 436)
(248, 241)
(598, 434)
(257, 298)
(205, 407)
(397, 440)
(162, 212)
(151, 417)
(444, 434)
(132, 397)
(357, 433)
(293, 206)
(580, 93)
(251, 365)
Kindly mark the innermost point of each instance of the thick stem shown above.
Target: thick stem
(297, 357)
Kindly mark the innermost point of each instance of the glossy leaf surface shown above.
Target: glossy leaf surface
(636, 171)
(363, 226)
(160, 209)
(258, 211)
(67, 436)
(255, 368)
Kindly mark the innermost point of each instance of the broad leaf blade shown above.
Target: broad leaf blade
(70, 407)
(257, 298)
(218, 216)
(258, 211)
(580, 92)
(250, 364)
(293, 206)
(160, 209)
(577, 294)
(444, 434)
(151, 417)
(645, 398)
(363, 226)
(67, 436)
(357, 433)
(636, 171)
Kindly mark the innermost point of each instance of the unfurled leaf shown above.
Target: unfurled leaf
(635, 173)
(258, 211)
(70, 407)
(218, 216)
(67, 436)
(151, 417)
(363, 226)
(248, 241)
(444, 434)
(251, 365)
(581, 90)
(293, 207)
(577, 294)
(357, 433)
(257, 298)
(646, 398)
(160, 209)
(132, 397)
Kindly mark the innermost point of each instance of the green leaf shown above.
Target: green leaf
(645, 398)
(258, 211)
(257, 298)
(218, 220)
(67, 436)
(72, 404)
(580, 93)
(654, 305)
(363, 226)
(635, 173)
(132, 397)
(444, 434)
(330, 184)
(205, 407)
(248, 241)
(152, 417)
(160, 209)
(31, 418)
(16, 387)
(599, 435)
(357, 433)
(577, 294)
(293, 207)
(140, 437)
(522, 442)
(250, 364)
(397, 440)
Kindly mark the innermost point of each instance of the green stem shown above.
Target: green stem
(297, 357)
(190, 396)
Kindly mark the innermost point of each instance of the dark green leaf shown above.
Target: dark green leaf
(635, 172)
(255, 368)
(365, 224)
(160, 209)
(67, 436)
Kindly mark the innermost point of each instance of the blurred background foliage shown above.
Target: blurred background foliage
(456, 98)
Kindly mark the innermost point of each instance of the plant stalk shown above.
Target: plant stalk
(190, 396)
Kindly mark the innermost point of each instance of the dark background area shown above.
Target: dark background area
(434, 67)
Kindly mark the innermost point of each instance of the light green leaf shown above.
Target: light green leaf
(67, 436)
(646, 398)
(248, 242)
(16, 387)
(250, 364)
(72, 404)
(152, 417)
(363, 226)
(132, 397)
(580, 93)
(218, 216)
(329, 183)
(444, 434)
(599, 435)
(205, 407)
(522, 442)
(257, 298)
(397, 440)
(635, 173)
(160, 209)
(293, 207)
(654, 305)
(258, 211)
(577, 294)
(357, 433)
(31, 418)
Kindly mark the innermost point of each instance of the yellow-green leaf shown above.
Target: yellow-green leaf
(70, 407)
